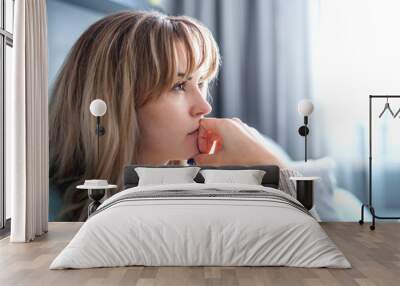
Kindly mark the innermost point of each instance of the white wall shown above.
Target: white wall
(355, 53)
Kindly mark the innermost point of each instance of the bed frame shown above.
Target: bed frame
(270, 179)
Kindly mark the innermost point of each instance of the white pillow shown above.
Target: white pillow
(162, 176)
(249, 177)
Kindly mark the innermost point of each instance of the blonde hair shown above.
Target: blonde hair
(126, 59)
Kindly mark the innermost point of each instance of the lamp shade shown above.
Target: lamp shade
(305, 107)
(98, 107)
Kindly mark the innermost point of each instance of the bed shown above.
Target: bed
(201, 224)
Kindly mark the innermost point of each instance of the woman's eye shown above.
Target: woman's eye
(179, 86)
(201, 84)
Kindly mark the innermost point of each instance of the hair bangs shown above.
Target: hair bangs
(201, 49)
(168, 37)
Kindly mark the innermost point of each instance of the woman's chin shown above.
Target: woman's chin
(190, 146)
(191, 152)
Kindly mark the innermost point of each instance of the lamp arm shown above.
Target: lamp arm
(305, 138)
(100, 131)
(305, 147)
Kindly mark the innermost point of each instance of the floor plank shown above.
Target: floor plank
(374, 255)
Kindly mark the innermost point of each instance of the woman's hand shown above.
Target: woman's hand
(235, 144)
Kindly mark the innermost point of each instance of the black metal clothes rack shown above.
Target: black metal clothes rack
(369, 205)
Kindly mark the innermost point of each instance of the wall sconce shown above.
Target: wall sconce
(305, 108)
(98, 108)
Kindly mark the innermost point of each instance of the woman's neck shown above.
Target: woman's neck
(146, 157)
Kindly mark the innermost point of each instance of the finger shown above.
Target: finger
(243, 125)
(219, 146)
(213, 148)
(209, 123)
(207, 126)
(247, 128)
(202, 140)
(239, 123)
(206, 139)
(237, 119)
(216, 145)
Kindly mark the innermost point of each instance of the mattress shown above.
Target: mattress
(201, 225)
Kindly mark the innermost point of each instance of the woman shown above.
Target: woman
(153, 71)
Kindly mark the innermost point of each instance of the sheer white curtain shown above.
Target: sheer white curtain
(27, 124)
(355, 53)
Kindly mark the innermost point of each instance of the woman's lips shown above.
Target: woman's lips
(194, 132)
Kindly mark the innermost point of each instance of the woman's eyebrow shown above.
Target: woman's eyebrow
(181, 74)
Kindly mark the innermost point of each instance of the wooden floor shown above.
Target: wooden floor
(374, 255)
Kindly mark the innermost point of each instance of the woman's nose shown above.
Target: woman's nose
(200, 106)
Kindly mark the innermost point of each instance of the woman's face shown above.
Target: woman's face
(167, 123)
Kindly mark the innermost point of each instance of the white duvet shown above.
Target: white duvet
(200, 231)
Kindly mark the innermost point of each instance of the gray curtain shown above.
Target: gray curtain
(265, 62)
